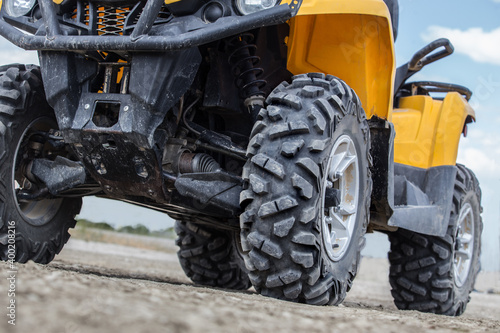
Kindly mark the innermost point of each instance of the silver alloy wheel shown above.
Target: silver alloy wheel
(343, 174)
(464, 245)
(35, 212)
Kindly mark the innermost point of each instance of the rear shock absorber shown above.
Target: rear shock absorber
(244, 65)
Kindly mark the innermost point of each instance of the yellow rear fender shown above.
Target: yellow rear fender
(350, 39)
(428, 131)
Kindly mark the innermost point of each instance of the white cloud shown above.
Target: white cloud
(481, 46)
(481, 153)
(477, 160)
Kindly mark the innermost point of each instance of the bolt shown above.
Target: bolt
(339, 175)
(329, 184)
(140, 168)
(108, 188)
(101, 169)
(125, 108)
(87, 106)
(151, 192)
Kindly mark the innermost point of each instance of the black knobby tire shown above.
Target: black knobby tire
(282, 237)
(422, 273)
(210, 257)
(41, 228)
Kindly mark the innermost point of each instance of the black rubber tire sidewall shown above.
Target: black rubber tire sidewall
(461, 294)
(349, 263)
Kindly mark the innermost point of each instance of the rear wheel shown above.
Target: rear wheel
(210, 257)
(306, 207)
(29, 229)
(437, 274)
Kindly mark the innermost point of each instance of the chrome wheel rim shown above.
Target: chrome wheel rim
(338, 222)
(464, 245)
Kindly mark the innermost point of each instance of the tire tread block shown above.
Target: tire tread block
(206, 256)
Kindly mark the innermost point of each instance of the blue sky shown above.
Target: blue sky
(474, 29)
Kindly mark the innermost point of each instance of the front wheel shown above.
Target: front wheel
(306, 207)
(29, 229)
(437, 274)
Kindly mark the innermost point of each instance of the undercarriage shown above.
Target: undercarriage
(275, 137)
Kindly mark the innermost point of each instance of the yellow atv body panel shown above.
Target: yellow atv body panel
(428, 131)
(351, 39)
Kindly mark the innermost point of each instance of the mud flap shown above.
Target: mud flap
(382, 169)
(423, 198)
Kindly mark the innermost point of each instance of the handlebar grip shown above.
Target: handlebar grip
(425, 55)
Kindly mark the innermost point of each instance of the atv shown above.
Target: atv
(276, 133)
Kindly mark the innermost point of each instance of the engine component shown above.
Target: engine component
(194, 163)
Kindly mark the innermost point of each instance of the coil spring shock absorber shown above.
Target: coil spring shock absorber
(244, 65)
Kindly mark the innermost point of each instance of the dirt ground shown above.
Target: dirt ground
(99, 287)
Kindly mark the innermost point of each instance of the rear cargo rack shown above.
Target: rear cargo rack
(426, 87)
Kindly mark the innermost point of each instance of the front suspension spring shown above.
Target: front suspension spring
(244, 65)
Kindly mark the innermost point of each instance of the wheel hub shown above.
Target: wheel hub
(35, 212)
(342, 179)
(464, 245)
